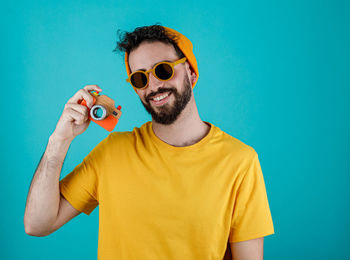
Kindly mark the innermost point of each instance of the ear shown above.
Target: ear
(190, 72)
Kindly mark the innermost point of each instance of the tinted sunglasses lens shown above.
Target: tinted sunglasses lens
(164, 71)
(138, 80)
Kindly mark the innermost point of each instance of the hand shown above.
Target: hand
(75, 117)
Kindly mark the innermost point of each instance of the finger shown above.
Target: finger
(93, 87)
(75, 116)
(77, 107)
(80, 95)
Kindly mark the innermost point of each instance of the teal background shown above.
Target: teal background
(274, 74)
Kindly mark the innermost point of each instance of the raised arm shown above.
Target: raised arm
(248, 250)
(46, 210)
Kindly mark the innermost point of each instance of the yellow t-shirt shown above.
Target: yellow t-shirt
(158, 201)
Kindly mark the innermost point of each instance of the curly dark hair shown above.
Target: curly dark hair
(129, 41)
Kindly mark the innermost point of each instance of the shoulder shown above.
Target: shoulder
(127, 136)
(234, 147)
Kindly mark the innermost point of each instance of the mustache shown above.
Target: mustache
(163, 90)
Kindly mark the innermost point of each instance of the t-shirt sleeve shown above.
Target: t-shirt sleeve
(80, 187)
(251, 215)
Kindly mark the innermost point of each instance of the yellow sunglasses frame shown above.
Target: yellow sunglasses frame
(172, 64)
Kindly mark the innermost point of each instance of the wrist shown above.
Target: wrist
(55, 138)
(57, 149)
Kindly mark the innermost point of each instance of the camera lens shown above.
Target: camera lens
(98, 112)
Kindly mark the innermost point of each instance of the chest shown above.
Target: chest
(169, 195)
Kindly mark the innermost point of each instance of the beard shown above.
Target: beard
(167, 114)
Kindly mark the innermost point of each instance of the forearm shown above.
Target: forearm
(44, 196)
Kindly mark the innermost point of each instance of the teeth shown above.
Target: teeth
(161, 97)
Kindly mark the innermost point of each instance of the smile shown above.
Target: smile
(161, 97)
(160, 100)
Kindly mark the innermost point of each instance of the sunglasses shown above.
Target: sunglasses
(162, 70)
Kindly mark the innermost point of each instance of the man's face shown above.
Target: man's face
(178, 89)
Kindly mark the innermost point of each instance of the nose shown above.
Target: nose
(153, 83)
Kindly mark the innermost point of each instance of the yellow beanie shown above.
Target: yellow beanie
(184, 45)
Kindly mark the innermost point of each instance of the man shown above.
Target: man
(175, 188)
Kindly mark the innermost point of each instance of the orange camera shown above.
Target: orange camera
(103, 111)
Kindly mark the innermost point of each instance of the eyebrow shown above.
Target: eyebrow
(154, 64)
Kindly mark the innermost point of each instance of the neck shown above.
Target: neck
(186, 130)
